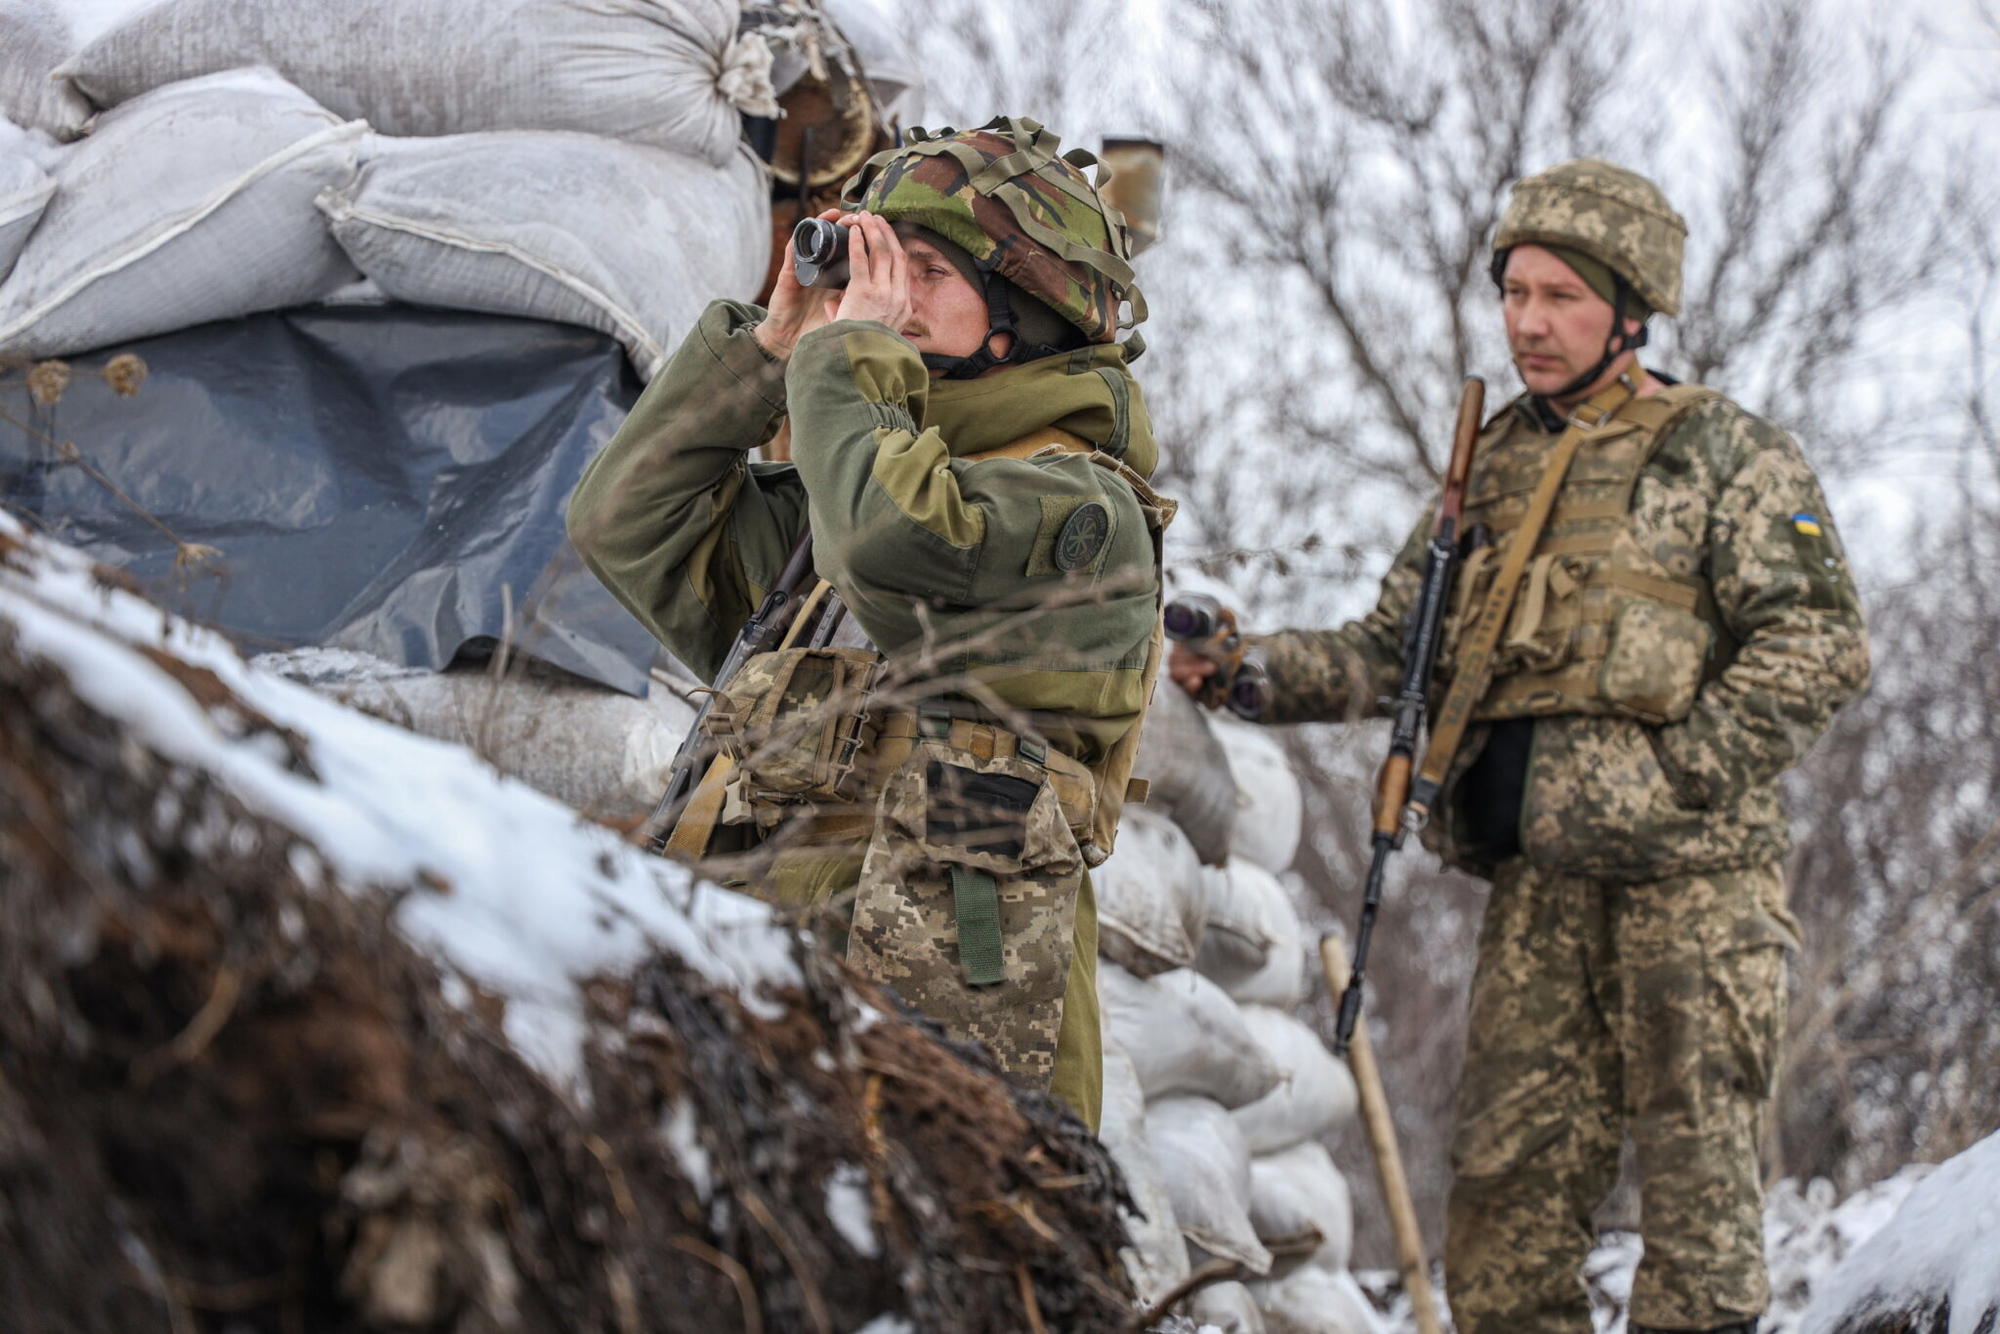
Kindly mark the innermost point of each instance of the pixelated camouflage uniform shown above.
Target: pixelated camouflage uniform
(946, 562)
(1631, 962)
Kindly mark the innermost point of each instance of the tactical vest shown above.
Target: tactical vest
(1597, 626)
(800, 734)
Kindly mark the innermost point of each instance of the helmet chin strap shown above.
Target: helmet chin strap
(1615, 346)
(1000, 319)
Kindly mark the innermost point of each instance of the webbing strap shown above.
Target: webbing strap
(1475, 662)
(696, 826)
(975, 902)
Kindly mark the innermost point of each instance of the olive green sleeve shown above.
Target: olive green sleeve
(1344, 674)
(1782, 587)
(671, 516)
(895, 516)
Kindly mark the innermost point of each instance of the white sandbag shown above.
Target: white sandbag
(1180, 757)
(1207, 1167)
(1270, 807)
(1228, 1308)
(1315, 1300)
(1314, 1092)
(24, 193)
(192, 203)
(1184, 1036)
(1251, 941)
(605, 753)
(643, 70)
(1151, 896)
(35, 38)
(618, 237)
(1301, 1209)
(1157, 1257)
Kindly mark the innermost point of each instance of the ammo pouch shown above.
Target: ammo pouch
(795, 724)
(967, 899)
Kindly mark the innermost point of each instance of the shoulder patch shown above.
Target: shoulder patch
(1081, 537)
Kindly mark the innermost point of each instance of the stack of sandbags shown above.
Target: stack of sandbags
(645, 71)
(577, 163)
(191, 203)
(1199, 993)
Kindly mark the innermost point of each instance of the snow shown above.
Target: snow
(518, 893)
(1943, 1244)
(848, 1207)
(682, 1136)
(887, 1324)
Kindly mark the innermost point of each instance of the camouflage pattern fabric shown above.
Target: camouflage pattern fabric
(1653, 1007)
(905, 931)
(1615, 216)
(1727, 502)
(945, 561)
(1002, 195)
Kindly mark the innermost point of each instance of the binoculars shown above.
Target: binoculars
(1240, 683)
(819, 253)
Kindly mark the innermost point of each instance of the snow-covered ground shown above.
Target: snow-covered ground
(523, 897)
(1920, 1231)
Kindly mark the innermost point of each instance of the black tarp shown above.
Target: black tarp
(386, 479)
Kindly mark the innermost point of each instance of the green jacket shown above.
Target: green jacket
(1728, 500)
(940, 559)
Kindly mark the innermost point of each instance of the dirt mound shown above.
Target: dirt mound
(234, 1096)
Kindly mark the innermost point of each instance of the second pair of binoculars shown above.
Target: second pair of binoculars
(1241, 683)
(819, 253)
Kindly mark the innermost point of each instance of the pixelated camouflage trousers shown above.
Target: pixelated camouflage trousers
(1600, 1010)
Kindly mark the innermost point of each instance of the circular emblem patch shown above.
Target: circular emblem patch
(1082, 536)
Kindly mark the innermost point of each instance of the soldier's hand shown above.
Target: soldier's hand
(1188, 669)
(795, 311)
(878, 285)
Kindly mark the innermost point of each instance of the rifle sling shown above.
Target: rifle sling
(1475, 660)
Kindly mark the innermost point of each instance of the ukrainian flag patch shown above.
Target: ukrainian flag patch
(1806, 523)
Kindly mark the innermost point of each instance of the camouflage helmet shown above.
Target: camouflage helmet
(1615, 216)
(1003, 195)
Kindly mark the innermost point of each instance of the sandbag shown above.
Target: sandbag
(34, 39)
(1228, 1308)
(629, 240)
(1184, 1037)
(1270, 807)
(1314, 1092)
(1151, 896)
(644, 70)
(190, 204)
(1251, 942)
(597, 749)
(1315, 1300)
(1180, 756)
(1157, 1256)
(24, 193)
(1300, 1208)
(1207, 1167)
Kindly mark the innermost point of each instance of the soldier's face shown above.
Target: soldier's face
(947, 313)
(1556, 326)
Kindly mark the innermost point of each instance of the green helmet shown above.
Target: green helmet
(1024, 214)
(1614, 216)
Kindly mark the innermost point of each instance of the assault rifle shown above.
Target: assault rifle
(1394, 816)
(771, 619)
(1209, 628)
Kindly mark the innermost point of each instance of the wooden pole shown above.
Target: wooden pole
(1381, 1130)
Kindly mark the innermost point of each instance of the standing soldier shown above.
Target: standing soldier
(1681, 627)
(972, 453)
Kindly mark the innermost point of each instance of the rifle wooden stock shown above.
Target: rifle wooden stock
(1393, 806)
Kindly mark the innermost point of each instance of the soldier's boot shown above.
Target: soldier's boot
(1740, 1327)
